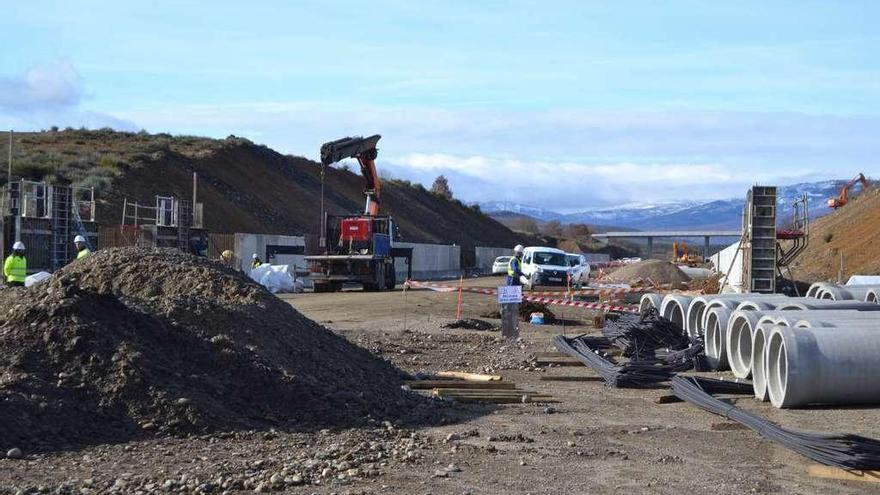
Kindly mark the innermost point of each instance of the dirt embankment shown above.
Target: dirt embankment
(245, 187)
(852, 233)
(133, 342)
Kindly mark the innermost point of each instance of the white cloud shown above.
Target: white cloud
(53, 85)
(49, 95)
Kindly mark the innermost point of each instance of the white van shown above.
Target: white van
(580, 269)
(545, 266)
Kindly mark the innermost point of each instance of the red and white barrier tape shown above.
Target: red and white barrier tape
(609, 291)
(529, 296)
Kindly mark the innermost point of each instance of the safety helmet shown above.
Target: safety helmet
(518, 248)
(254, 256)
(79, 238)
(18, 246)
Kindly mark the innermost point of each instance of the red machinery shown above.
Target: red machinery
(358, 247)
(843, 197)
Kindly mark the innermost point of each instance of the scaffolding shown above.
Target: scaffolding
(46, 217)
(169, 222)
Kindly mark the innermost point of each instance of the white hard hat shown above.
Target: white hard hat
(18, 246)
(254, 256)
(518, 248)
(79, 238)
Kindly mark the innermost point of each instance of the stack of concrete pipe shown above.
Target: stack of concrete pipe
(798, 351)
(743, 325)
(833, 292)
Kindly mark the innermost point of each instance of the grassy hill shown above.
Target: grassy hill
(851, 232)
(245, 187)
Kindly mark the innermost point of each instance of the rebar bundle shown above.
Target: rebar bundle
(640, 335)
(636, 373)
(840, 450)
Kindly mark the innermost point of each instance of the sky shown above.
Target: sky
(556, 104)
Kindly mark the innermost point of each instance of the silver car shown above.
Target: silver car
(500, 265)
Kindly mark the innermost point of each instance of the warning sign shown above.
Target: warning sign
(508, 294)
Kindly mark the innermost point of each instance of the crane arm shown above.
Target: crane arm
(364, 149)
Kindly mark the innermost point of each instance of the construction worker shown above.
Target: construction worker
(15, 267)
(82, 250)
(256, 262)
(514, 267)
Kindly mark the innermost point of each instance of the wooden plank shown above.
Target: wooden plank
(569, 378)
(551, 354)
(501, 400)
(430, 384)
(473, 377)
(820, 471)
(566, 361)
(471, 391)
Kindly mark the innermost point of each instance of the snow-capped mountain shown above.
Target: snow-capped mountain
(688, 215)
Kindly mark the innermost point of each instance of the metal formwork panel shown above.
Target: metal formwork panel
(762, 239)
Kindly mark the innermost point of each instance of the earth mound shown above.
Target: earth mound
(649, 272)
(131, 342)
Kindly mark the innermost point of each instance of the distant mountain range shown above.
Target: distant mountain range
(685, 215)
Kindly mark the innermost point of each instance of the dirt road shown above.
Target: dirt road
(594, 440)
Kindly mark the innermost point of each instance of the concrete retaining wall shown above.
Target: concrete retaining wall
(264, 245)
(430, 261)
(486, 256)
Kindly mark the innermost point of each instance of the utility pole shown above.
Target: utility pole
(9, 170)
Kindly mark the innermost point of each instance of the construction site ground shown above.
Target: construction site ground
(594, 440)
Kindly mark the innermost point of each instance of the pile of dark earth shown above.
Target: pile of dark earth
(131, 343)
(471, 324)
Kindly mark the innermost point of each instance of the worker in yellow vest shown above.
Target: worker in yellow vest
(256, 261)
(82, 250)
(15, 267)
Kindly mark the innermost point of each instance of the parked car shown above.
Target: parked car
(545, 266)
(500, 265)
(580, 269)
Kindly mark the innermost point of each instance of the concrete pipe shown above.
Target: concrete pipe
(674, 308)
(650, 301)
(742, 326)
(762, 305)
(714, 340)
(696, 317)
(805, 304)
(816, 287)
(823, 365)
(732, 303)
(759, 363)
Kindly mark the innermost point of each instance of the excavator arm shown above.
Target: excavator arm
(843, 197)
(364, 149)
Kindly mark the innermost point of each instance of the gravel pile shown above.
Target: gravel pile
(134, 342)
(649, 272)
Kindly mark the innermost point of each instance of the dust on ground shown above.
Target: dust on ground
(594, 440)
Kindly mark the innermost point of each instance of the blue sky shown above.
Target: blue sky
(565, 105)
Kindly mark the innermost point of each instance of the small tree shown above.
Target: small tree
(553, 228)
(525, 224)
(441, 187)
(578, 231)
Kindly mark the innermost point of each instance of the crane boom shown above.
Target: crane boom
(364, 149)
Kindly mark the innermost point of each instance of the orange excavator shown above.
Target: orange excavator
(358, 247)
(843, 198)
(681, 253)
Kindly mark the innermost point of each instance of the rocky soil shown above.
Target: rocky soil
(132, 343)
